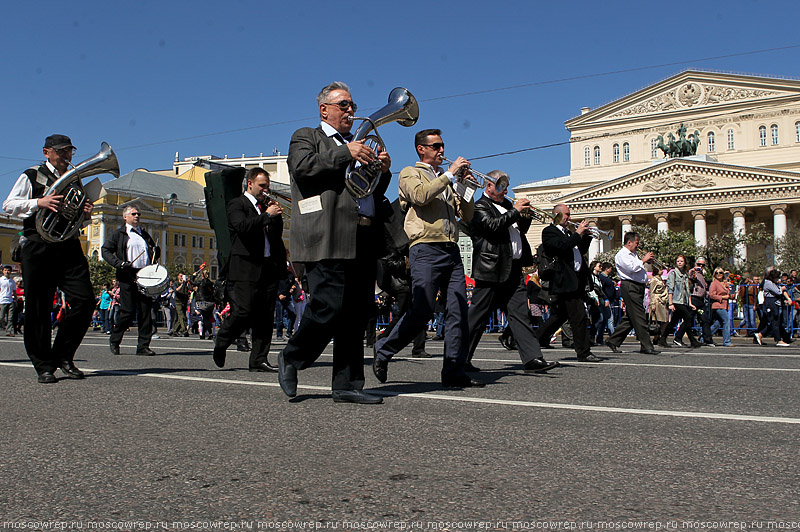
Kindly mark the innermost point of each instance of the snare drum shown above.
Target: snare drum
(152, 280)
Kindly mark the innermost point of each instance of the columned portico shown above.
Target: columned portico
(739, 231)
(663, 221)
(700, 233)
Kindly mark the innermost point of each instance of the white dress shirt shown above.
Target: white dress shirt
(513, 232)
(254, 201)
(630, 267)
(19, 202)
(137, 248)
(366, 206)
(577, 258)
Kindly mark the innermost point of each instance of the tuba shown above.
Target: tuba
(362, 180)
(62, 225)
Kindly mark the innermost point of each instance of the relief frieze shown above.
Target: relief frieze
(692, 94)
(678, 181)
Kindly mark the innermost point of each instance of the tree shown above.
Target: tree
(760, 250)
(722, 251)
(788, 249)
(100, 272)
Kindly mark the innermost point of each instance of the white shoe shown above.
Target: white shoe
(782, 344)
(758, 338)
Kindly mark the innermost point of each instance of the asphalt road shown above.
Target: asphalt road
(690, 439)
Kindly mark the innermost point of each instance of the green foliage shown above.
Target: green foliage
(175, 269)
(721, 251)
(760, 250)
(667, 245)
(788, 250)
(100, 272)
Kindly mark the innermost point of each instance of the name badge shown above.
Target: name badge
(309, 205)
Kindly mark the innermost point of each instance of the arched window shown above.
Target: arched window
(616, 153)
(731, 145)
(773, 130)
(626, 152)
(762, 136)
(597, 155)
(711, 145)
(587, 156)
(653, 148)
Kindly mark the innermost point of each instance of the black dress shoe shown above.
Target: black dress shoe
(423, 354)
(263, 366)
(614, 349)
(567, 345)
(114, 349)
(472, 368)
(47, 377)
(219, 356)
(649, 352)
(540, 365)
(287, 376)
(243, 348)
(464, 381)
(665, 345)
(504, 341)
(355, 396)
(696, 345)
(69, 369)
(590, 358)
(380, 368)
(145, 352)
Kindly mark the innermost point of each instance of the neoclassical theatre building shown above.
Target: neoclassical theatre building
(746, 168)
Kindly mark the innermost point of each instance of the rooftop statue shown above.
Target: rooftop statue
(683, 147)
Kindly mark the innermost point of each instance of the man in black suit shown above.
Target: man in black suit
(500, 251)
(568, 280)
(258, 259)
(47, 266)
(339, 238)
(129, 249)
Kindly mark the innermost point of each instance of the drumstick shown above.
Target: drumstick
(137, 256)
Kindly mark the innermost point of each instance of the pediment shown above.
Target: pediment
(681, 177)
(691, 91)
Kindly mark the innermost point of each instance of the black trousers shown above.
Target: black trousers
(434, 267)
(403, 300)
(252, 307)
(634, 318)
(703, 317)
(568, 307)
(685, 313)
(45, 267)
(341, 294)
(511, 297)
(133, 303)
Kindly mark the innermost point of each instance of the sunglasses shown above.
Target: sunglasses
(134, 214)
(436, 145)
(344, 105)
(65, 151)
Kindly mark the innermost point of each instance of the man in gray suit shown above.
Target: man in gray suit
(339, 238)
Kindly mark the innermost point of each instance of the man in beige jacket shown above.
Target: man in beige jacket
(435, 200)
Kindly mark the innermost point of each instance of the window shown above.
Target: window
(616, 153)
(183, 240)
(626, 152)
(711, 145)
(653, 148)
(797, 131)
(213, 272)
(211, 243)
(587, 156)
(200, 242)
(762, 136)
(731, 145)
(596, 155)
(176, 239)
(773, 129)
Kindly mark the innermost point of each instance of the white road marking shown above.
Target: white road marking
(459, 398)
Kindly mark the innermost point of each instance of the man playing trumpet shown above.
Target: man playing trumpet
(432, 226)
(258, 258)
(500, 251)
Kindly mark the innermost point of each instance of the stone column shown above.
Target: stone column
(594, 247)
(738, 232)
(626, 221)
(102, 239)
(663, 221)
(778, 225)
(700, 233)
(163, 245)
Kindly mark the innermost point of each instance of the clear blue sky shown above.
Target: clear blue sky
(238, 77)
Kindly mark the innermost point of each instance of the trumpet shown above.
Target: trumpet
(655, 262)
(486, 178)
(545, 217)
